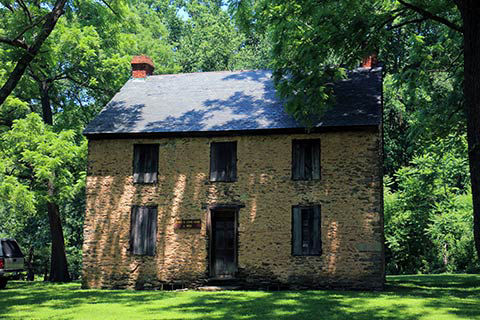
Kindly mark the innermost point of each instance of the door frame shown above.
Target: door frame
(234, 208)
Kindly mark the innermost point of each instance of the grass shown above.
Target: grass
(406, 297)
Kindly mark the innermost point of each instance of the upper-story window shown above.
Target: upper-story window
(306, 231)
(145, 163)
(223, 161)
(306, 159)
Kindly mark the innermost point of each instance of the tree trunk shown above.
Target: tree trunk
(45, 271)
(45, 99)
(470, 10)
(30, 271)
(58, 258)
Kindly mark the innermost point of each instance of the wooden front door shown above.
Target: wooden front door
(223, 244)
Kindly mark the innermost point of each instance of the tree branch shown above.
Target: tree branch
(15, 43)
(432, 16)
(109, 7)
(397, 14)
(85, 85)
(30, 26)
(25, 10)
(407, 22)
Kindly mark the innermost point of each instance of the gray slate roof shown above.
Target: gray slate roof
(230, 100)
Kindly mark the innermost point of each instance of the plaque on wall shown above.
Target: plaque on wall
(188, 224)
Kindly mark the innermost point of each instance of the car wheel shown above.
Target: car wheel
(3, 283)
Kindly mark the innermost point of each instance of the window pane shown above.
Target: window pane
(11, 249)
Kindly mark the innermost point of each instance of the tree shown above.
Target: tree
(48, 21)
(82, 63)
(425, 217)
(41, 168)
(470, 11)
(313, 43)
(211, 42)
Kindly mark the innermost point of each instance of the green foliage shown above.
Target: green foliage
(451, 232)
(211, 42)
(428, 220)
(13, 108)
(311, 45)
(33, 156)
(42, 156)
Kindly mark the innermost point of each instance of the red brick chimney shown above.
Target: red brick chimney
(142, 66)
(370, 61)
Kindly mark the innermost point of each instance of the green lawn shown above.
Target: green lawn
(407, 297)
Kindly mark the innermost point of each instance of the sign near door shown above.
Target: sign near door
(188, 224)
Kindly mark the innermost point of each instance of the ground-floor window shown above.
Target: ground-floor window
(306, 231)
(143, 230)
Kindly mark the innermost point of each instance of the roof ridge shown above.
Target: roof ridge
(209, 72)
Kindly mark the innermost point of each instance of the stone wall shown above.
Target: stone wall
(349, 192)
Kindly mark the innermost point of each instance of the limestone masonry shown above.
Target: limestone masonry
(349, 193)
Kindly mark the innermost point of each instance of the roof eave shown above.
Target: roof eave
(183, 134)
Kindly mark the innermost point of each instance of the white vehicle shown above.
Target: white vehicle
(12, 263)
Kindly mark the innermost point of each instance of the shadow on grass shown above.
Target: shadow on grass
(406, 297)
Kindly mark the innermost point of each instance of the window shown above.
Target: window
(145, 163)
(10, 249)
(223, 161)
(306, 231)
(306, 159)
(143, 230)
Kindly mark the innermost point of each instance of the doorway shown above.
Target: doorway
(223, 243)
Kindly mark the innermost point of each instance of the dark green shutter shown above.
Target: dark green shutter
(133, 223)
(296, 231)
(137, 175)
(213, 162)
(231, 172)
(316, 160)
(136, 230)
(307, 159)
(151, 231)
(296, 163)
(316, 231)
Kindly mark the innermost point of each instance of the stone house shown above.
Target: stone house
(203, 177)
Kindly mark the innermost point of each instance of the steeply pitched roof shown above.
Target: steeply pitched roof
(228, 101)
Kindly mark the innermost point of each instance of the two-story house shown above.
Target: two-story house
(201, 176)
